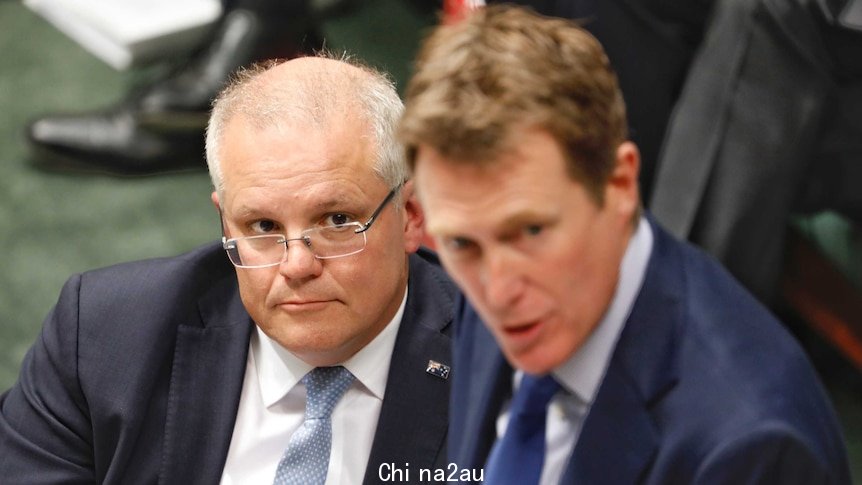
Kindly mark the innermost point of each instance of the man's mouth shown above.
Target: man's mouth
(297, 305)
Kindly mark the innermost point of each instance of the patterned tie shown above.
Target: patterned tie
(517, 457)
(306, 459)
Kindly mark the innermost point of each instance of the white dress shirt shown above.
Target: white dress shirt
(272, 408)
(581, 375)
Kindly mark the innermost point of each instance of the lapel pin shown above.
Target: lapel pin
(437, 369)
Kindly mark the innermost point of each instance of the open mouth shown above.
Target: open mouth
(521, 329)
(523, 334)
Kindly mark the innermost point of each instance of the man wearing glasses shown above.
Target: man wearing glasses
(320, 355)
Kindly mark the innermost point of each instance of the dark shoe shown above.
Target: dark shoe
(241, 38)
(114, 143)
(160, 128)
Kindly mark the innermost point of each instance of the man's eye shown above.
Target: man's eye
(264, 226)
(533, 229)
(459, 244)
(337, 219)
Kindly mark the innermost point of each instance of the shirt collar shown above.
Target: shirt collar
(278, 370)
(582, 373)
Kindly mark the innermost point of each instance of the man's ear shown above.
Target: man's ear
(215, 200)
(414, 218)
(622, 189)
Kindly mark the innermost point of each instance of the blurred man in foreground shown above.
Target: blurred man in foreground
(610, 352)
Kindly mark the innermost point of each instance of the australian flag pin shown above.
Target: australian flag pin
(437, 369)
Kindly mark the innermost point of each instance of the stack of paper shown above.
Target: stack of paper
(127, 32)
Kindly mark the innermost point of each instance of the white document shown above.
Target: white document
(127, 32)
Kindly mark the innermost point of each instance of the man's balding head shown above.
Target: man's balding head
(311, 91)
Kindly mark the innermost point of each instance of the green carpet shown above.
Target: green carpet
(55, 225)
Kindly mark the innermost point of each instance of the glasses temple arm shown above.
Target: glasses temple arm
(379, 209)
(221, 220)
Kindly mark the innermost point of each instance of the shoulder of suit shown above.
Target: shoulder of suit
(426, 268)
(207, 261)
(161, 282)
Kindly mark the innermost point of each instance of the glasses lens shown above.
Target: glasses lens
(336, 241)
(256, 251)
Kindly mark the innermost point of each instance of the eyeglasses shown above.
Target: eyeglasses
(327, 242)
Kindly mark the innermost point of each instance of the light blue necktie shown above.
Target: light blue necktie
(306, 459)
(517, 458)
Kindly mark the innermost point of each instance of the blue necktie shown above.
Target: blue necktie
(306, 460)
(517, 457)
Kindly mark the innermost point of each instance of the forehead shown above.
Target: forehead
(292, 159)
(525, 184)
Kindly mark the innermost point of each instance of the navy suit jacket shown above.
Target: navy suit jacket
(136, 377)
(704, 386)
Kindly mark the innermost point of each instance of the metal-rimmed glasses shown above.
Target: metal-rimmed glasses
(326, 242)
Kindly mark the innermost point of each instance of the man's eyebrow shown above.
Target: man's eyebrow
(522, 218)
(513, 222)
(245, 211)
(438, 229)
(331, 202)
(336, 201)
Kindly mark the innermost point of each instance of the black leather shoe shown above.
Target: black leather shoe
(241, 38)
(114, 143)
(160, 128)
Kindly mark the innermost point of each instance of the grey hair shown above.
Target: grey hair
(315, 98)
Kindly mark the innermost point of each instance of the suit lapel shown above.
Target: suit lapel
(487, 386)
(414, 419)
(618, 439)
(206, 382)
(414, 416)
(617, 442)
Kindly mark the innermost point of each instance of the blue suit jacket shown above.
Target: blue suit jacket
(136, 377)
(704, 386)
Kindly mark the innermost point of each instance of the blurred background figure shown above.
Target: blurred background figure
(159, 126)
(651, 44)
(769, 124)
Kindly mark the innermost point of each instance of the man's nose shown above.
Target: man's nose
(300, 261)
(502, 280)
